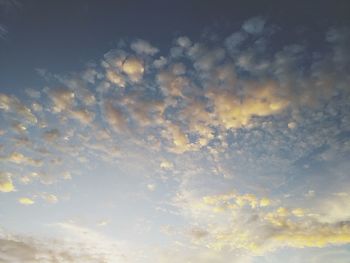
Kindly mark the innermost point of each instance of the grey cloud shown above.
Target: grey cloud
(254, 25)
(143, 47)
(3, 31)
(233, 42)
(29, 250)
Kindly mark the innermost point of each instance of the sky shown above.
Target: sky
(174, 131)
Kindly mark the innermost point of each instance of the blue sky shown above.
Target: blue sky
(174, 132)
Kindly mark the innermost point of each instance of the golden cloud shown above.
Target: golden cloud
(134, 68)
(115, 78)
(62, 99)
(6, 184)
(13, 104)
(244, 221)
(234, 112)
(19, 158)
(26, 201)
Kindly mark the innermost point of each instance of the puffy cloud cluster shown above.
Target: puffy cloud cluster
(255, 225)
(20, 159)
(199, 92)
(143, 47)
(13, 105)
(123, 67)
(63, 100)
(204, 90)
(234, 111)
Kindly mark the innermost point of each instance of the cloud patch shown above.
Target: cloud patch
(254, 25)
(142, 47)
(6, 184)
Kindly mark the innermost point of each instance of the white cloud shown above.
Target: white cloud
(184, 42)
(143, 47)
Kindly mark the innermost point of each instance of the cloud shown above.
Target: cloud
(160, 62)
(170, 84)
(233, 42)
(115, 78)
(233, 221)
(49, 198)
(10, 3)
(62, 99)
(82, 115)
(65, 102)
(95, 246)
(333, 209)
(268, 119)
(82, 245)
(166, 165)
(6, 6)
(151, 187)
(180, 252)
(205, 90)
(134, 68)
(6, 184)
(177, 139)
(3, 31)
(13, 104)
(254, 25)
(184, 42)
(198, 233)
(115, 117)
(142, 47)
(206, 59)
(26, 201)
(19, 158)
(123, 67)
(34, 94)
(16, 251)
(78, 83)
(234, 112)
(52, 135)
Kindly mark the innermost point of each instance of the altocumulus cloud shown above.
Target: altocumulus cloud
(205, 118)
